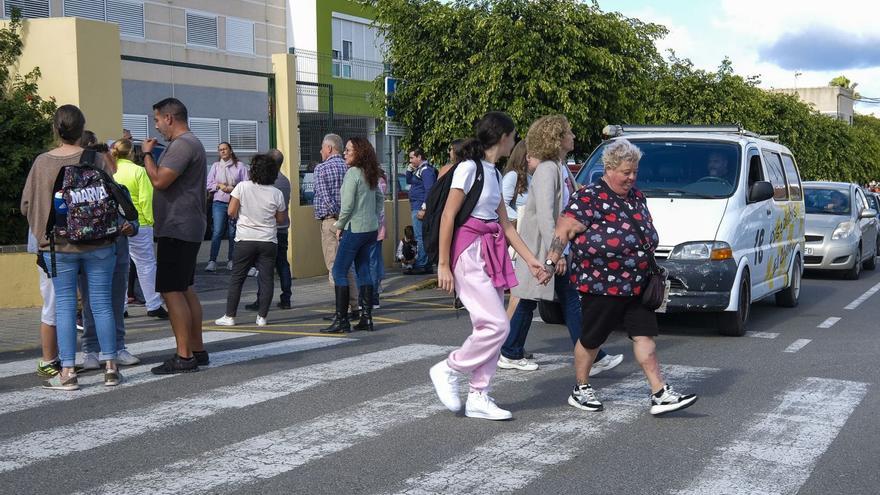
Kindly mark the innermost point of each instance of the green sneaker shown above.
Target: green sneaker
(56, 383)
(48, 370)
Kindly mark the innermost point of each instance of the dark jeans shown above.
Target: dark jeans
(282, 266)
(377, 269)
(354, 248)
(422, 256)
(247, 254)
(521, 321)
(221, 224)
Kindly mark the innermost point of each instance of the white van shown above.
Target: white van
(728, 206)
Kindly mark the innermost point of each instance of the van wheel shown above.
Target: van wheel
(551, 312)
(788, 297)
(733, 323)
(856, 270)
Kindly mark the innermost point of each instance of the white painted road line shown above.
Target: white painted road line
(137, 375)
(797, 345)
(762, 335)
(27, 366)
(511, 461)
(829, 322)
(27, 449)
(229, 468)
(777, 450)
(864, 297)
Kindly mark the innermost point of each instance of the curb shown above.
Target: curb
(428, 283)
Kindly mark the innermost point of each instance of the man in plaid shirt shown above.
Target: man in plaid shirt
(328, 184)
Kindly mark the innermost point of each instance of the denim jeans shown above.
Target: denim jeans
(377, 269)
(98, 266)
(354, 247)
(521, 321)
(117, 299)
(421, 256)
(282, 266)
(221, 223)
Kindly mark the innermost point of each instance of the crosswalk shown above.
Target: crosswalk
(374, 397)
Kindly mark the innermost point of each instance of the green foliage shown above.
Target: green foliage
(25, 130)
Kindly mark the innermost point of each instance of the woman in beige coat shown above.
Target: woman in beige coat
(549, 140)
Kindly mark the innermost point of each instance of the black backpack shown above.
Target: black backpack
(436, 201)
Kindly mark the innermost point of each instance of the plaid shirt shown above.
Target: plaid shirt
(328, 184)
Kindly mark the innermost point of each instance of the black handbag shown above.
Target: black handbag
(654, 293)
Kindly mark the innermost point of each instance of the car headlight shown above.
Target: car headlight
(710, 250)
(845, 229)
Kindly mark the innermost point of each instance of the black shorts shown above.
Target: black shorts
(175, 264)
(601, 315)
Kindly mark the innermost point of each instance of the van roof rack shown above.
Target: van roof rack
(616, 130)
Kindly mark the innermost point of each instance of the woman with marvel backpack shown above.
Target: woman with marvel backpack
(94, 258)
(478, 267)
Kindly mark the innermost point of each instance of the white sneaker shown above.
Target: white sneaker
(670, 401)
(225, 321)
(253, 272)
(126, 358)
(90, 361)
(517, 364)
(606, 363)
(261, 322)
(229, 265)
(211, 267)
(480, 405)
(445, 381)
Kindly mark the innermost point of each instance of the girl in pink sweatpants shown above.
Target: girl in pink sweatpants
(473, 260)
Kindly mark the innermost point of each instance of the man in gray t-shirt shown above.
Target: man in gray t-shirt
(180, 220)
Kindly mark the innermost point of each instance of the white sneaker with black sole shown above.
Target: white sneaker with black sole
(517, 364)
(670, 400)
(606, 363)
(480, 405)
(584, 397)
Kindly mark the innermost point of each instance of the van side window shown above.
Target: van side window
(756, 172)
(793, 177)
(776, 175)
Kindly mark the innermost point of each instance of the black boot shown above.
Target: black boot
(340, 322)
(366, 321)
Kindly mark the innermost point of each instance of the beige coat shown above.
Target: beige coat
(537, 224)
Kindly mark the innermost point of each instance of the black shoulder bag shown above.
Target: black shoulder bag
(654, 294)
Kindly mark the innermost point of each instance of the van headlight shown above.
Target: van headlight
(844, 230)
(710, 250)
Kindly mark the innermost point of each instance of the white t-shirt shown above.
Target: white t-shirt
(508, 187)
(490, 197)
(256, 216)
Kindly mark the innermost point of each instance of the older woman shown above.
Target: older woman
(610, 265)
(549, 140)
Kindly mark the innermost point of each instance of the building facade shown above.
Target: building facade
(214, 56)
(833, 101)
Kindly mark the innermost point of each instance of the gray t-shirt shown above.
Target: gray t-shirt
(179, 209)
(282, 183)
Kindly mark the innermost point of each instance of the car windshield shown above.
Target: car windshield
(679, 168)
(827, 201)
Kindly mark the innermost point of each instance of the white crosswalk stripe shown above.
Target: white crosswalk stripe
(776, 451)
(511, 461)
(28, 366)
(137, 375)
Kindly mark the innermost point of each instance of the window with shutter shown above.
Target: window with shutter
(208, 132)
(129, 15)
(239, 35)
(243, 135)
(138, 125)
(201, 30)
(30, 9)
(87, 9)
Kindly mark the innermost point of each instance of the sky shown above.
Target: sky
(788, 43)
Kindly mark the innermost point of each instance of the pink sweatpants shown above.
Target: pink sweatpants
(479, 353)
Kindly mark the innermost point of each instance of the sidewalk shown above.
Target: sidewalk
(20, 329)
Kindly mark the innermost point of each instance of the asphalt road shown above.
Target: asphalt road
(791, 408)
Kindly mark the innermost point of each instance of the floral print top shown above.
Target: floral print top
(608, 258)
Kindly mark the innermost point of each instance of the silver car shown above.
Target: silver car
(841, 229)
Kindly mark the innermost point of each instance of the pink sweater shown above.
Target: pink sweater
(493, 248)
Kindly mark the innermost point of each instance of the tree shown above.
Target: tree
(842, 81)
(25, 130)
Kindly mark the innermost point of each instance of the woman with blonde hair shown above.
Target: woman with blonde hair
(549, 140)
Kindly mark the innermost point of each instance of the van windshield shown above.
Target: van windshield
(827, 201)
(678, 168)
